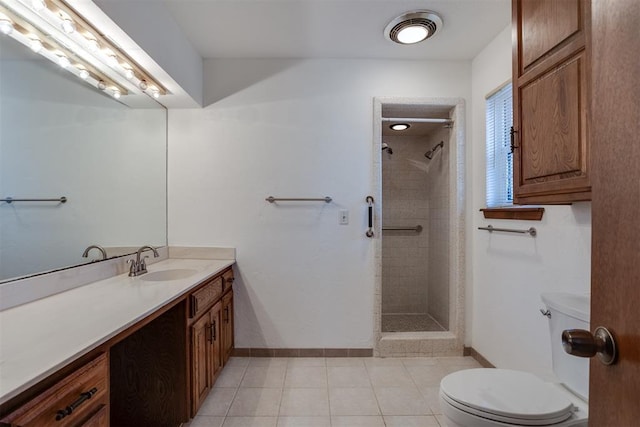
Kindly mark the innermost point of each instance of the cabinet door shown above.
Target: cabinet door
(551, 98)
(201, 369)
(552, 155)
(544, 26)
(216, 342)
(227, 325)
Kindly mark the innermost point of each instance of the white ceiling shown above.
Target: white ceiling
(333, 28)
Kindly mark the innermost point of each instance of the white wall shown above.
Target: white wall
(297, 129)
(509, 272)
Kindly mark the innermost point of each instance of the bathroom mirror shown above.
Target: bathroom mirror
(60, 137)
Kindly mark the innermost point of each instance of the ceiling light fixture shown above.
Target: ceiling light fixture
(56, 31)
(38, 5)
(92, 44)
(6, 26)
(36, 45)
(112, 60)
(400, 126)
(68, 26)
(413, 27)
(63, 61)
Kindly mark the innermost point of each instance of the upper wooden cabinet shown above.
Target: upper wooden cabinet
(551, 95)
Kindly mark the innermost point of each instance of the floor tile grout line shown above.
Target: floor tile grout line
(282, 390)
(418, 388)
(375, 395)
(226, 414)
(328, 394)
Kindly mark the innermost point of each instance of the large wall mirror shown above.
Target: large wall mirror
(59, 137)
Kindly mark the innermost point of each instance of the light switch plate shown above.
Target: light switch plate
(343, 217)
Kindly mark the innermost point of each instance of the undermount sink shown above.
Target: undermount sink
(166, 275)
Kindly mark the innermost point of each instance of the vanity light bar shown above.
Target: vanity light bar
(124, 64)
(64, 33)
(25, 34)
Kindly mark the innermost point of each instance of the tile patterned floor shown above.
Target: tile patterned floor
(331, 392)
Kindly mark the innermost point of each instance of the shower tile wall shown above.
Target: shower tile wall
(439, 217)
(405, 202)
(415, 266)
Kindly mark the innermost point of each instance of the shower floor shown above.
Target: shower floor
(409, 323)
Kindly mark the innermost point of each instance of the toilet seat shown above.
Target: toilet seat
(506, 396)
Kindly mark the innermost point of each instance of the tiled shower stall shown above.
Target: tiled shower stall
(415, 264)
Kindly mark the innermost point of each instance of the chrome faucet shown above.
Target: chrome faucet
(139, 266)
(85, 254)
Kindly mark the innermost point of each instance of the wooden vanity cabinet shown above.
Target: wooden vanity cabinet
(79, 399)
(157, 372)
(551, 96)
(206, 356)
(211, 335)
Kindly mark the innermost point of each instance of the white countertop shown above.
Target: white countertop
(40, 337)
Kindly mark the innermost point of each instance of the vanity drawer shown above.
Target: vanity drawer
(79, 399)
(201, 299)
(227, 279)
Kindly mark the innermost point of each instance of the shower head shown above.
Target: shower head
(385, 146)
(429, 154)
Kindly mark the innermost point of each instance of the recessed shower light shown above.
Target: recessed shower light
(399, 126)
(413, 27)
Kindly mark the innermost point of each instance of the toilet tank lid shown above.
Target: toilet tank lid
(574, 305)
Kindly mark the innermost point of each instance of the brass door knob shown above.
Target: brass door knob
(581, 343)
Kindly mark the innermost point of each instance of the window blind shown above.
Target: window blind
(499, 156)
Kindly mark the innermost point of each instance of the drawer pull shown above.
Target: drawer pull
(230, 280)
(69, 409)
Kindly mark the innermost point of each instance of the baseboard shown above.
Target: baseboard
(470, 351)
(303, 352)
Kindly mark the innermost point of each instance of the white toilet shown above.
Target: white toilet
(501, 397)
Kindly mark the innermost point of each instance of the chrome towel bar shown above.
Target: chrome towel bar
(417, 228)
(272, 199)
(490, 228)
(11, 200)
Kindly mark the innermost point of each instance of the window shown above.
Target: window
(499, 156)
